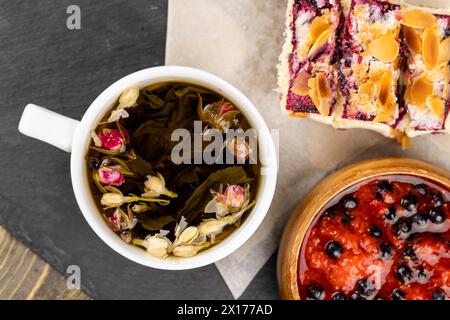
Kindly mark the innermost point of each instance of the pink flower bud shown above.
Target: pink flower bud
(226, 107)
(234, 197)
(114, 221)
(112, 140)
(120, 221)
(111, 177)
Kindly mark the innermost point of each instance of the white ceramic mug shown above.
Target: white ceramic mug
(74, 136)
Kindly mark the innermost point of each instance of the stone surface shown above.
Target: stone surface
(43, 62)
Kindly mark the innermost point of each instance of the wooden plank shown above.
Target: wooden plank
(23, 275)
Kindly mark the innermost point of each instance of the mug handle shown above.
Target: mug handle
(48, 126)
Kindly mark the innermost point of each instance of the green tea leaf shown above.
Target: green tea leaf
(189, 175)
(107, 152)
(140, 167)
(185, 115)
(156, 223)
(152, 100)
(181, 92)
(153, 137)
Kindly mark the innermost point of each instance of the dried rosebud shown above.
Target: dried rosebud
(226, 107)
(233, 198)
(109, 176)
(156, 186)
(112, 140)
(120, 220)
(220, 114)
(210, 228)
(114, 221)
(111, 172)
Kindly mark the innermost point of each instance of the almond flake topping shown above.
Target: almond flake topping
(418, 19)
(420, 90)
(300, 85)
(430, 48)
(320, 42)
(385, 99)
(319, 93)
(412, 39)
(319, 25)
(323, 90)
(384, 48)
(385, 88)
(314, 97)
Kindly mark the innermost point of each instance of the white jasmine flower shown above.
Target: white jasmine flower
(128, 98)
(156, 186)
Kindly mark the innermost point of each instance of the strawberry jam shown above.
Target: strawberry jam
(382, 239)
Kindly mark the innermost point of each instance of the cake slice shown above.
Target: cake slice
(427, 74)
(381, 65)
(369, 68)
(307, 71)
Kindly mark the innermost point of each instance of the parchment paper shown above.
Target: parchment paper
(240, 41)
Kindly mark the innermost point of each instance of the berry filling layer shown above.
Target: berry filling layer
(386, 239)
(312, 85)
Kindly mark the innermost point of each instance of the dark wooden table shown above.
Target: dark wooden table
(43, 62)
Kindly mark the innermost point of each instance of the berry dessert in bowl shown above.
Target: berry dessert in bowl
(379, 229)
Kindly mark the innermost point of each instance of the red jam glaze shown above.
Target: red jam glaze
(394, 244)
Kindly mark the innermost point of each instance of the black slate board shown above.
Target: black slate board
(43, 62)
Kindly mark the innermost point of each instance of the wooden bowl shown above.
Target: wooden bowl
(326, 190)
